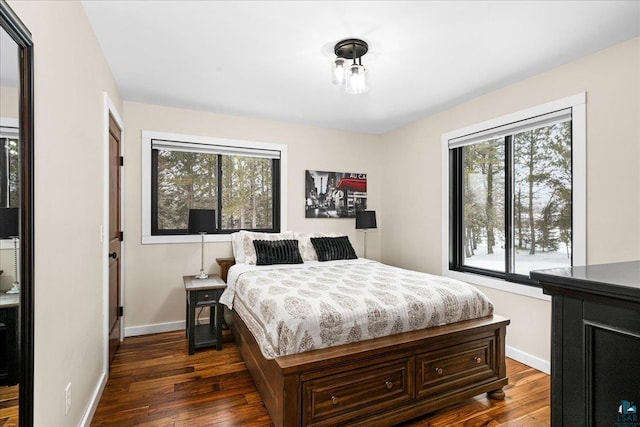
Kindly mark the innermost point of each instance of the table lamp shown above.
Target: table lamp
(365, 220)
(202, 221)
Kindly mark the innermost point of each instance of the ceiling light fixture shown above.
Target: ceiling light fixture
(354, 75)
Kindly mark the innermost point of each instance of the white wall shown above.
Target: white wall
(154, 293)
(70, 77)
(8, 265)
(9, 102)
(411, 237)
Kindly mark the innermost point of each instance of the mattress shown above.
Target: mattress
(290, 309)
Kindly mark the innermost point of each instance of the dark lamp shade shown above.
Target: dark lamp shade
(9, 223)
(365, 219)
(202, 221)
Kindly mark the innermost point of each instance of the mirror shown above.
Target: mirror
(9, 223)
(16, 220)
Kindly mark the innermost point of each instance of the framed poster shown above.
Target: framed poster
(334, 194)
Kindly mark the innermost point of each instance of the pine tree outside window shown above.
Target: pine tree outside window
(9, 173)
(240, 180)
(511, 198)
(9, 163)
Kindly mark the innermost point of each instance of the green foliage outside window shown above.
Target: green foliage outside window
(190, 180)
(540, 202)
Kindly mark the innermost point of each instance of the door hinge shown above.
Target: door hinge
(121, 236)
(121, 161)
(120, 311)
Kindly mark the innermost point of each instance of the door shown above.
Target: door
(115, 237)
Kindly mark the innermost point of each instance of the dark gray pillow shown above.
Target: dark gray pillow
(333, 248)
(270, 252)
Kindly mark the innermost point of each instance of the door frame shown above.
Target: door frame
(109, 108)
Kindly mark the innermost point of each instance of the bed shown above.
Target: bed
(377, 379)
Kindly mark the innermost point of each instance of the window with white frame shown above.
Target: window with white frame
(516, 193)
(240, 180)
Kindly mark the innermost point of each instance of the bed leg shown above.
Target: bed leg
(496, 394)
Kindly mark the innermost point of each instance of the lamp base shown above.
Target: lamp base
(365, 243)
(15, 289)
(202, 275)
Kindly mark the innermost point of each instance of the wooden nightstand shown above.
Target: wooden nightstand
(204, 293)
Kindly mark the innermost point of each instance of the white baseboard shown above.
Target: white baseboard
(93, 403)
(528, 359)
(133, 331)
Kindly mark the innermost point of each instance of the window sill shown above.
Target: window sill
(501, 285)
(185, 238)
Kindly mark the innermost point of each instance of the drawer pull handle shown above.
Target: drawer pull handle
(206, 296)
(477, 359)
(334, 400)
(388, 385)
(439, 371)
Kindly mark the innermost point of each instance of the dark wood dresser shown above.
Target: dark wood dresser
(595, 360)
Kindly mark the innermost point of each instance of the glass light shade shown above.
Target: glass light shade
(337, 71)
(356, 81)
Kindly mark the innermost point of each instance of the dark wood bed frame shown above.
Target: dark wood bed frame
(383, 381)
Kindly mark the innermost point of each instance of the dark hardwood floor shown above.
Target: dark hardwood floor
(154, 382)
(9, 406)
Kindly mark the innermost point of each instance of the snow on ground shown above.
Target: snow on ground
(524, 262)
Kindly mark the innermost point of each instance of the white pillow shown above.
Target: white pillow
(249, 236)
(236, 245)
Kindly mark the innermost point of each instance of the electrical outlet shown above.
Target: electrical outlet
(67, 399)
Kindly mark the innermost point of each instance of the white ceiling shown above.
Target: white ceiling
(271, 59)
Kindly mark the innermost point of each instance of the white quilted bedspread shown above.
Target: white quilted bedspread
(295, 308)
